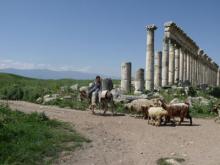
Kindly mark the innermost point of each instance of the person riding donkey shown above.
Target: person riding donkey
(94, 91)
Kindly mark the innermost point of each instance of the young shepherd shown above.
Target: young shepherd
(155, 114)
(177, 110)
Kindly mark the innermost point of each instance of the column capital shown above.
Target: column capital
(200, 52)
(151, 27)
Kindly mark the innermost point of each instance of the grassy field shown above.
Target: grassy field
(33, 138)
(13, 87)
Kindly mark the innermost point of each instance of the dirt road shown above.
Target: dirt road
(129, 141)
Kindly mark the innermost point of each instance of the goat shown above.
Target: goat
(177, 110)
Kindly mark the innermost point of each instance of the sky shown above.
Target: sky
(96, 36)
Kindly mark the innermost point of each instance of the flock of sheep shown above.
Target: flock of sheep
(157, 111)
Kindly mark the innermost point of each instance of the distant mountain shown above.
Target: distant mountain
(50, 74)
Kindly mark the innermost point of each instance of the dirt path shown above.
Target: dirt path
(129, 141)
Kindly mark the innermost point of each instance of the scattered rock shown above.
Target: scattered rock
(116, 93)
(129, 98)
(157, 95)
(48, 98)
(39, 100)
(74, 87)
(138, 92)
(174, 87)
(67, 97)
(64, 88)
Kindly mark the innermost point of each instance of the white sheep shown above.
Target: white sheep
(136, 106)
(155, 114)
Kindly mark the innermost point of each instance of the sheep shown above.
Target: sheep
(155, 114)
(84, 90)
(137, 106)
(177, 110)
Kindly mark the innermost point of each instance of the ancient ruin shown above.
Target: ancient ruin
(149, 83)
(181, 60)
(126, 77)
(139, 81)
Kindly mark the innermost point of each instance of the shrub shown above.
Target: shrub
(215, 92)
(192, 91)
(201, 110)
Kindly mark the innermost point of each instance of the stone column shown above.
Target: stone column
(202, 70)
(158, 70)
(195, 79)
(165, 62)
(193, 70)
(171, 63)
(206, 68)
(188, 66)
(199, 69)
(139, 81)
(185, 66)
(177, 65)
(201, 66)
(149, 84)
(181, 70)
(126, 77)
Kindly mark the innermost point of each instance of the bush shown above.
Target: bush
(201, 110)
(192, 91)
(215, 92)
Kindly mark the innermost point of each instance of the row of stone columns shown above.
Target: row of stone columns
(179, 64)
(176, 63)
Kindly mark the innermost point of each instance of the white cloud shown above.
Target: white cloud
(8, 63)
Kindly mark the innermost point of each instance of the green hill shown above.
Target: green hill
(16, 87)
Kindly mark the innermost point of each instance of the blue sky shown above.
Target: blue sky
(97, 35)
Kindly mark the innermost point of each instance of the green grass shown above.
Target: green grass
(33, 138)
(202, 111)
(162, 161)
(13, 87)
(170, 94)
